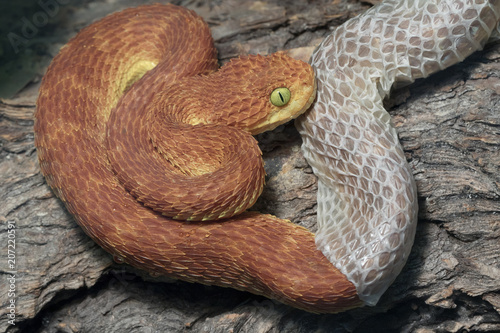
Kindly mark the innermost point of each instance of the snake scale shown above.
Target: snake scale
(137, 131)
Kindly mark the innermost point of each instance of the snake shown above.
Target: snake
(150, 146)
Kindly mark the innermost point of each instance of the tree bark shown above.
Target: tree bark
(449, 126)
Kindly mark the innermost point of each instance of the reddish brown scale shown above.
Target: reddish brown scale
(253, 252)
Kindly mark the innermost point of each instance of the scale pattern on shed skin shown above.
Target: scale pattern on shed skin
(367, 201)
(253, 252)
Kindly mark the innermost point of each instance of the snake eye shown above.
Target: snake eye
(280, 96)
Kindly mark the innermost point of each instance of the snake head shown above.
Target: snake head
(270, 91)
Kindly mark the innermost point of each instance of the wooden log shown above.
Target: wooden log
(449, 125)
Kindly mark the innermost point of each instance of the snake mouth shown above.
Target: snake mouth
(311, 99)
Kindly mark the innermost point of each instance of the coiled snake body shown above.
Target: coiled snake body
(131, 154)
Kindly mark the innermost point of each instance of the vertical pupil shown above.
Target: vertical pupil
(281, 97)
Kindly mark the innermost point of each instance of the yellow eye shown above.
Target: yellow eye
(280, 96)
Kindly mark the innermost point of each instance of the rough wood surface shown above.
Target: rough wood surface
(449, 126)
